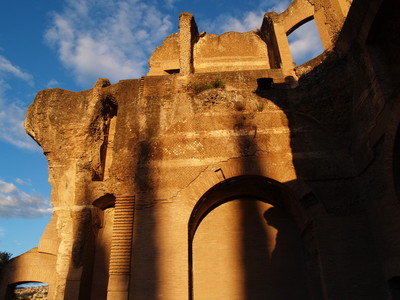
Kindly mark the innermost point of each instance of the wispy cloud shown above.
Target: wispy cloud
(22, 182)
(280, 6)
(250, 21)
(305, 42)
(107, 38)
(52, 83)
(246, 21)
(15, 203)
(12, 117)
(12, 114)
(7, 68)
(170, 3)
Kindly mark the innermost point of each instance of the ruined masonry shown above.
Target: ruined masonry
(228, 172)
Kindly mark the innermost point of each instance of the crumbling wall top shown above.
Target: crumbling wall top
(190, 52)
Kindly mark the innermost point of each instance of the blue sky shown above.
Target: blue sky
(69, 44)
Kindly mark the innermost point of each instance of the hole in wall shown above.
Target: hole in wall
(173, 71)
(305, 42)
(104, 202)
(107, 126)
(27, 290)
(265, 83)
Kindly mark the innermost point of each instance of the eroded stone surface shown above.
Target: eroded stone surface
(263, 162)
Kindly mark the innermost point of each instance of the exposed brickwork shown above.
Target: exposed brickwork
(121, 246)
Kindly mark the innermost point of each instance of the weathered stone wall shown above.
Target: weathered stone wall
(155, 179)
(30, 266)
(231, 51)
(188, 51)
(159, 64)
(376, 121)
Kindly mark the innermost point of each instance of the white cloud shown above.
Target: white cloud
(12, 115)
(6, 67)
(52, 83)
(247, 21)
(280, 6)
(170, 3)
(305, 43)
(250, 21)
(22, 182)
(110, 39)
(12, 126)
(15, 203)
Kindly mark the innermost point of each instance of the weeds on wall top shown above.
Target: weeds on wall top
(198, 87)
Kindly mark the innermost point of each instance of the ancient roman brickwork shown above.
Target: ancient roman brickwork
(188, 51)
(230, 174)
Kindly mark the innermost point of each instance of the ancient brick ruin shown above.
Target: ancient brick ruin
(228, 172)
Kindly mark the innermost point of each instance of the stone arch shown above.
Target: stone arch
(247, 188)
(10, 293)
(306, 28)
(32, 266)
(328, 15)
(299, 24)
(250, 186)
(302, 12)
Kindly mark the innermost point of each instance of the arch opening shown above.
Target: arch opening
(304, 41)
(245, 244)
(27, 290)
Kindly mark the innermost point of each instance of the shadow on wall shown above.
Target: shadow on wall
(320, 123)
(245, 225)
(144, 271)
(267, 277)
(103, 219)
(244, 247)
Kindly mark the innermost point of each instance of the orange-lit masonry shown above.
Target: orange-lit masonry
(230, 173)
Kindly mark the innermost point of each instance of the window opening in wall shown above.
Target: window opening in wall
(28, 290)
(305, 42)
(173, 71)
(265, 83)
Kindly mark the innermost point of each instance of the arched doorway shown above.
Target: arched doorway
(244, 243)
